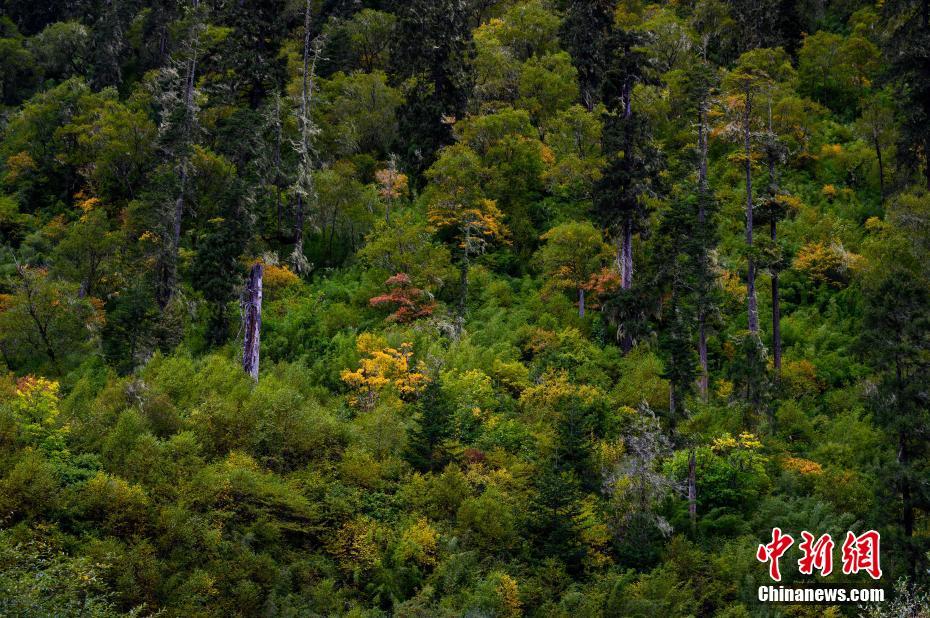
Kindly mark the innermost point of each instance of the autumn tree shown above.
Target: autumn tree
(461, 213)
(408, 303)
(572, 254)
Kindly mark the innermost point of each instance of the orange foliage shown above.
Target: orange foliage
(802, 466)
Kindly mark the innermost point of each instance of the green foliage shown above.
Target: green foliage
(491, 448)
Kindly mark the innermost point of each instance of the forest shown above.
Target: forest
(440, 308)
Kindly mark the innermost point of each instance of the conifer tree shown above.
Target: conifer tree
(632, 172)
(178, 134)
(304, 187)
(585, 33)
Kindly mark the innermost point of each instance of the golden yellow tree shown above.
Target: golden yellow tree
(460, 212)
(383, 369)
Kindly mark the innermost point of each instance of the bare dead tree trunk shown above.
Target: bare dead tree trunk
(252, 318)
(626, 275)
(580, 302)
(752, 305)
(304, 137)
(277, 164)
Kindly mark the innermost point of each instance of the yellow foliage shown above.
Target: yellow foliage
(610, 454)
(556, 388)
(35, 405)
(356, 545)
(391, 183)
(475, 225)
(32, 390)
(418, 543)
(874, 223)
(278, 277)
(802, 466)
(745, 441)
(724, 388)
(19, 164)
(733, 286)
(86, 204)
(595, 534)
(800, 378)
(148, 236)
(827, 263)
(509, 594)
(382, 368)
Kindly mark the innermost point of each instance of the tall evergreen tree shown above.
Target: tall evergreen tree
(909, 49)
(178, 133)
(632, 173)
(434, 48)
(304, 186)
(896, 342)
(585, 34)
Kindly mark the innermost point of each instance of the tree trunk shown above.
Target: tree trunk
(277, 164)
(626, 280)
(626, 256)
(702, 222)
(773, 226)
(252, 322)
(881, 167)
(304, 185)
(752, 306)
(776, 309)
(702, 356)
(463, 297)
(299, 234)
(170, 273)
(580, 302)
(692, 489)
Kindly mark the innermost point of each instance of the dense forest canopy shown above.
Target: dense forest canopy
(460, 307)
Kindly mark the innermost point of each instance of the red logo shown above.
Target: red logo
(817, 555)
(773, 551)
(860, 553)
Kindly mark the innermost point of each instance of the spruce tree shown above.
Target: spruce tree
(632, 174)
